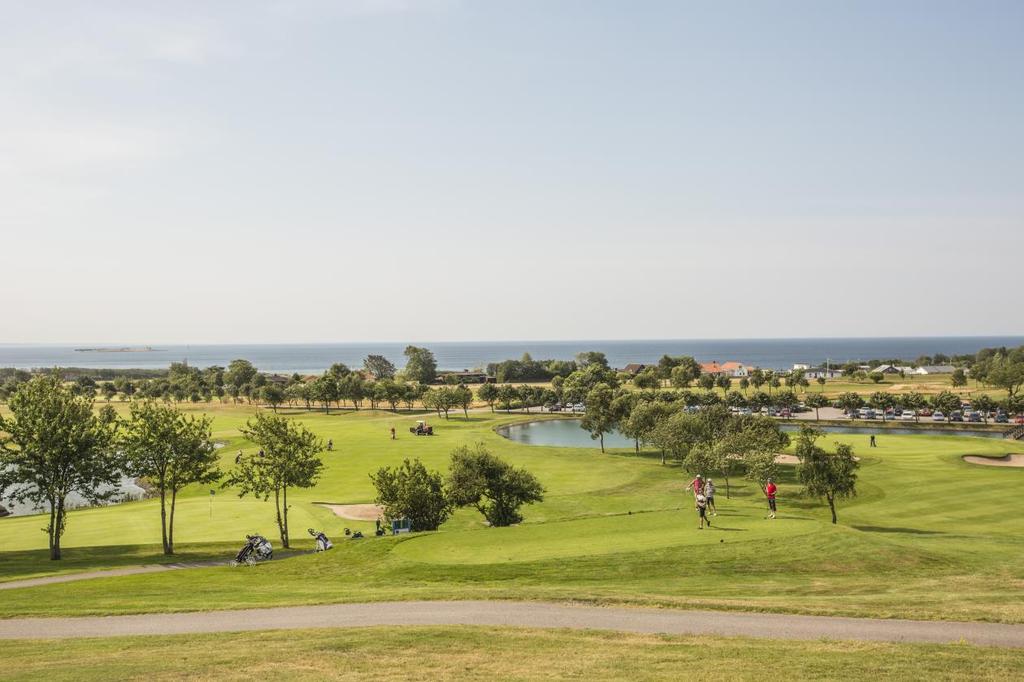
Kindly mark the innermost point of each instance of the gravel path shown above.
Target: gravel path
(109, 573)
(521, 614)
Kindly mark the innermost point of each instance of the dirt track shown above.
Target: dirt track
(521, 614)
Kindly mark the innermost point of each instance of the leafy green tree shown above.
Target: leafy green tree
(744, 384)
(983, 404)
(420, 365)
(757, 378)
(823, 474)
(947, 403)
(507, 394)
(171, 450)
(647, 379)
(494, 487)
(489, 394)
(685, 371)
(52, 445)
(821, 383)
(877, 377)
(599, 418)
(592, 358)
(723, 381)
(273, 395)
(1006, 371)
(913, 401)
(239, 373)
(463, 397)
(817, 401)
(412, 492)
(108, 391)
(379, 367)
(324, 390)
(958, 378)
(288, 458)
(642, 421)
(735, 399)
(578, 384)
(882, 401)
(849, 402)
(706, 381)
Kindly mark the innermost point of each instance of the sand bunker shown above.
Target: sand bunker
(793, 459)
(356, 512)
(1004, 461)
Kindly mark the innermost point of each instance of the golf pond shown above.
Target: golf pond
(567, 433)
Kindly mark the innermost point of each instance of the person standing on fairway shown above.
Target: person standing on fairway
(698, 487)
(702, 511)
(769, 492)
(709, 495)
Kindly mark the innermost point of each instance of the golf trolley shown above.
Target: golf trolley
(256, 548)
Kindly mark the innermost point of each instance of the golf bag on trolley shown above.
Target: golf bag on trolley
(256, 548)
(323, 543)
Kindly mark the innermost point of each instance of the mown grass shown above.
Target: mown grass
(478, 653)
(928, 536)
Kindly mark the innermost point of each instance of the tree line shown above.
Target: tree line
(54, 444)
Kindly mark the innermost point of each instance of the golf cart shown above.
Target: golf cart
(421, 429)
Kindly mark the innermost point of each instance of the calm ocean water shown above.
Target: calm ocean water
(311, 358)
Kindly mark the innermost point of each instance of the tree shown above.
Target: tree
(877, 377)
(913, 401)
(684, 371)
(489, 394)
(108, 391)
(239, 373)
(324, 390)
(599, 418)
(1006, 371)
(947, 403)
(823, 474)
(882, 401)
(592, 357)
(642, 421)
(273, 395)
(647, 379)
(817, 401)
(52, 445)
(288, 458)
(706, 381)
(463, 397)
(420, 365)
(411, 492)
(958, 378)
(495, 488)
(170, 450)
(757, 378)
(821, 383)
(379, 367)
(983, 404)
(744, 384)
(507, 394)
(849, 402)
(723, 381)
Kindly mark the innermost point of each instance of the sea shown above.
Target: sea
(311, 358)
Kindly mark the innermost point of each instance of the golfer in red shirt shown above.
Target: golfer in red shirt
(769, 491)
(697, 485)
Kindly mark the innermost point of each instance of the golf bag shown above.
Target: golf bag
(256, 548)
(322, 542)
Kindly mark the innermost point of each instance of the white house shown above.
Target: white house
(934, 369)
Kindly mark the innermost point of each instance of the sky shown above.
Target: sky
(369, 170)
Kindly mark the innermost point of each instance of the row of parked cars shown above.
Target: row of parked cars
(569, 407)
(964, 415)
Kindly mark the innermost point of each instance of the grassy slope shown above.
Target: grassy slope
(929, 536)
(490, 653)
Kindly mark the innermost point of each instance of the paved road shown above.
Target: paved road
(520, 614)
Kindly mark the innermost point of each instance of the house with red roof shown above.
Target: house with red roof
(732, 368)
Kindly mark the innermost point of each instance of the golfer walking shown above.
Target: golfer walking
(702, 511)
(709, 495)
(769, 492)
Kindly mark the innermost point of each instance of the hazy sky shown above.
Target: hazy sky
(444, 170)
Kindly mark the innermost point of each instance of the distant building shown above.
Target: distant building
(823, 373)
(801, 367)
(465, 377)
(886, 369)
(733, 369)
(635, 368)
(934, 369)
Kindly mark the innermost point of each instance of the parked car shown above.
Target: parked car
(926, 412)
(745, 411)
(908, 415)
(974, 417)
(956, 416)
(867, 413)
(553, 407)
(785, 413)
(1002, 418)
(938, 416)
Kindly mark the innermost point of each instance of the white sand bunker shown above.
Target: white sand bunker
(1004, 461)
(793, 459)
(356, 512)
